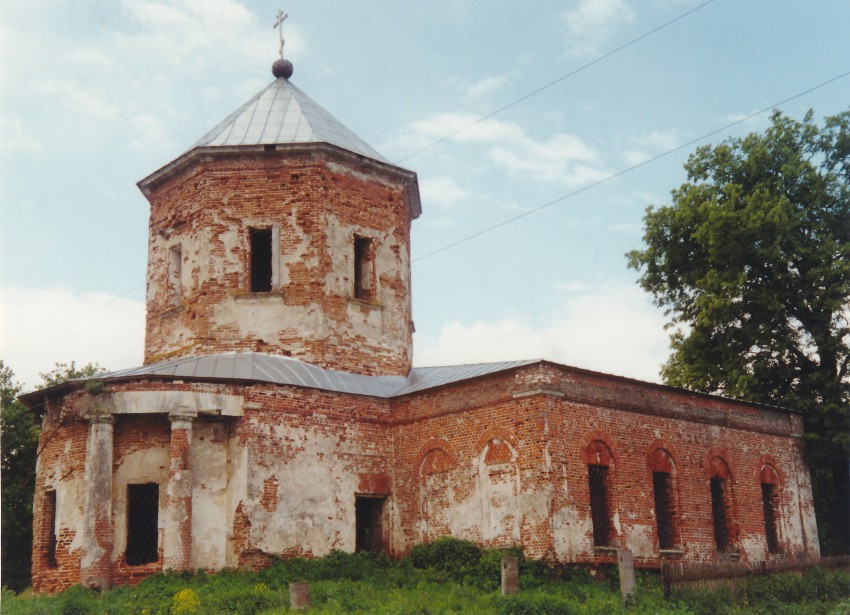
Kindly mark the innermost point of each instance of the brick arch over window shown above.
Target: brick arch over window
(663, 473)
(598, 448)
(768, 471)
(598, 454)
(497, 445)
(661, 456)
(770, 482)
(435, 463)
(439, 454)
(716, 466)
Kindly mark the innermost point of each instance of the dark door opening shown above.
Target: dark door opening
(369, 512)
(142, 523)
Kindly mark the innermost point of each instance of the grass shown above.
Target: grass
(447, 576)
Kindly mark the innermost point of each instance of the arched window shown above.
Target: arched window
(769, 479)
(664, 496)
(434, 493)
(721, 503)
(600, 462)
(498, 486)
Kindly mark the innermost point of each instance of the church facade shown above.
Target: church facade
(278, 413)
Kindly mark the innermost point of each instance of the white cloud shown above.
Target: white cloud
(563, 158)
(651, 144)
(485, 86)
(148, 133)
(41, 327)
(441, 191)
(613, 330)
(570, 287)
(590, 22)
(14, 137)
(79, 96)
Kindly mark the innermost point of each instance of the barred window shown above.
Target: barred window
(142, 522)
(719, 514)
(600, 509)
(662, 485)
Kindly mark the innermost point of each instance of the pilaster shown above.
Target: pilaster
(177, 545)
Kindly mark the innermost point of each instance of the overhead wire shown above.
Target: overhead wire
(553, 82)
(622, 172)
(482, 119)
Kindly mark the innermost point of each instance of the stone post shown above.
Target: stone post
(96, 562)
(299, 596)
(177, 544)
(510, 576)
(626, 566)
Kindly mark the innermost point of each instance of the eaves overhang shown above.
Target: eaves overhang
(406, 177)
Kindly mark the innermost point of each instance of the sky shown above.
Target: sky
(565, 121)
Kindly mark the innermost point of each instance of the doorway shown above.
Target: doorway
(369, 513)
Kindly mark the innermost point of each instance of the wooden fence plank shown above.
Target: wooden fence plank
(681, 576)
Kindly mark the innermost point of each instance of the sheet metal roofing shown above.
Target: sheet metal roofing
(280, 114)
(259, 367)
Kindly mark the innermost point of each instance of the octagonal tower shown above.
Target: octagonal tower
(281, 231)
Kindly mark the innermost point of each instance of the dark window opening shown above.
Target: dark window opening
(770, 504)
(142, 522)
(175, 268)
(662, 485)
(719, 514)
(363, 258)
(49, 512)
(599, 505)
(369, 512)
(261, 260)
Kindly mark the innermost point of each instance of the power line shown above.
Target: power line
(554, 82)
(622, 172)
(475, 123)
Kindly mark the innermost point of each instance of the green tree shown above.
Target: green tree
(19, 432)
(752, 262)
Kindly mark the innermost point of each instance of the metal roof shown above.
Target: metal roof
(279, 114)
(275, 369)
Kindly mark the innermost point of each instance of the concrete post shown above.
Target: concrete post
(96, 562)
(177, 543)
(299, 596)
(510, 576)
(626, 565)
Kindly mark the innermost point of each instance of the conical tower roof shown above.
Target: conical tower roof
(280, 114)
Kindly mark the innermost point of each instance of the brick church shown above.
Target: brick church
(278, 413)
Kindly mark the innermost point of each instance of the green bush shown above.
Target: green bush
(241, 600)
(448, 554)
(534, 604)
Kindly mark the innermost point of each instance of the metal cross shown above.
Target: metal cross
(281, 17)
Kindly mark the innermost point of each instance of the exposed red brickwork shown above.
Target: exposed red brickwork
(178, 502)
(319, 199)
(61, 466)
(432, 451)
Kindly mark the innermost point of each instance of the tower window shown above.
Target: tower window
(49, 512)
(142, 522)
(599, 505)
(175, 270)
(719, 514)
(261, 259)
(770, 504)
(364, 287)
